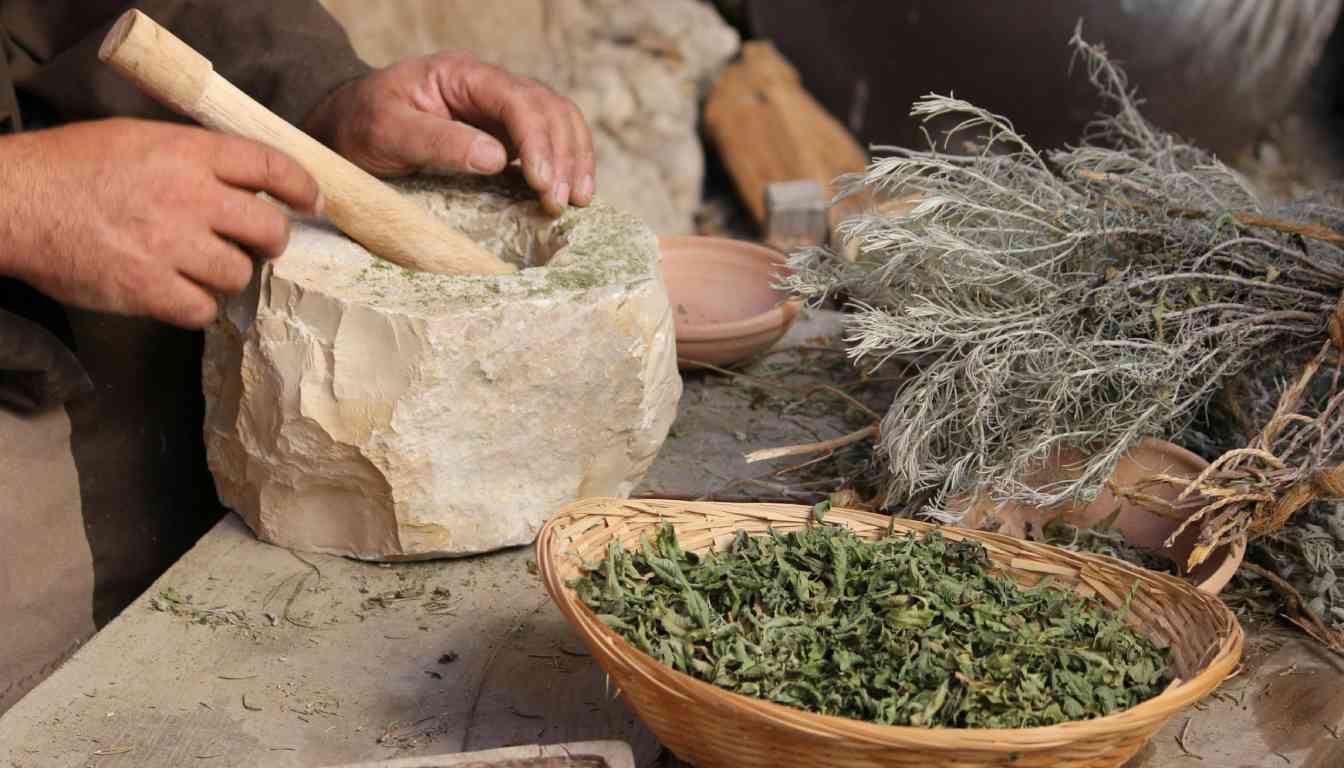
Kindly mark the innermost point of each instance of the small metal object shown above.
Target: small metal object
(795, 214)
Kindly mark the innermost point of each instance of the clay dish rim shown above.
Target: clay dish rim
(781, 315)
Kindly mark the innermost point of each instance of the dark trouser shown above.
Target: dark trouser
(100, 494)
(46, 567)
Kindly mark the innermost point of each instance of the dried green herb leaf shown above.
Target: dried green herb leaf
(819, 511)
(905, 630)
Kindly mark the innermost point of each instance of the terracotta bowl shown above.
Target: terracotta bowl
(723, 298)
(1140, 528)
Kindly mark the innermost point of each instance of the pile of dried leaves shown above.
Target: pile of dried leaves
(901, 631)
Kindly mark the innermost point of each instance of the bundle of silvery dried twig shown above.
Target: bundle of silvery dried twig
(1088, 298)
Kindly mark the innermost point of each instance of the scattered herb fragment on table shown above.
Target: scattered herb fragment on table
(901, 631)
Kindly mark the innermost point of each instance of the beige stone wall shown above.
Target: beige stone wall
(637, 68)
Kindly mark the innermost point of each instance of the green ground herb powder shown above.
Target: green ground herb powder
(901, 631)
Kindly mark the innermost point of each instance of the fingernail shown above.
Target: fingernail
(542, 169)
(486, 156)
(584, 192)
(561, 195)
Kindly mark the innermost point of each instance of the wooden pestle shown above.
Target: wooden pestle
(390, 225)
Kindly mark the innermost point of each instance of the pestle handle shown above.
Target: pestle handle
(390, 225)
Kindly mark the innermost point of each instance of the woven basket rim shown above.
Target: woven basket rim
(1159, 708)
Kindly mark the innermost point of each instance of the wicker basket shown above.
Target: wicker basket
(711, 728)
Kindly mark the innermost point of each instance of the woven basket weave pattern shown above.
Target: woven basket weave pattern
(713, 728)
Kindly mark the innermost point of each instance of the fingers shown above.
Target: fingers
(181, 293)
(528, 131)
(425, 140)
(552, 139)
(217, 265)
(551, 129)
(259, 168)
(585, 164)
(563, 149)
(250, 221)
(185, 304)
(450, 111)
(571, 154)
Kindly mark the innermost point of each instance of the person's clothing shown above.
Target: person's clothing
(46, 570)
(103, 481)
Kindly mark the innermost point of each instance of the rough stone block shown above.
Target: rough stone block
(356, 408)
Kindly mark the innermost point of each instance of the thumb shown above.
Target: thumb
(438, 143)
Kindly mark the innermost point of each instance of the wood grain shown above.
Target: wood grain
(768, 128)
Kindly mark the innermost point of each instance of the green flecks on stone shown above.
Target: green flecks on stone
(599, 247)
(572, 279)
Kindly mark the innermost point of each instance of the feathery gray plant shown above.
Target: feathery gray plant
(1084, 298)
(1310, 556)
(1260, 35)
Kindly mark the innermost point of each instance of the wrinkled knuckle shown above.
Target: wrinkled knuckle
(566, 108)
(379, 131)
(538, 93)
(358, 131)
(207, 153)
(157, 241)
(529, 123)
(586, 160)
(272, 168)
(237, 207)
(523, 94)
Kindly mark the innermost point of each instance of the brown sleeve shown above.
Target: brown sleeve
(37, 368)
(287, 54)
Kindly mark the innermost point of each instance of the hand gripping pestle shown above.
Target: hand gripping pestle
(391, 226)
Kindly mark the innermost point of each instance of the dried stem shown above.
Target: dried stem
(824, 446)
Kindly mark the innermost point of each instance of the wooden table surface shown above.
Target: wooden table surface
(244, 654)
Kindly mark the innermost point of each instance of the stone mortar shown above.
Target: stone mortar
(357, 408)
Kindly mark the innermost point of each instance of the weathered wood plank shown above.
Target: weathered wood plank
(767, 128)
(371, 663)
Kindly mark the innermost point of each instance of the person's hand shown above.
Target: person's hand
(450, 112)
(143, 218)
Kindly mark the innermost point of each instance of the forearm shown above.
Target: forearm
(16, 195)
(37, 370)
(287, 55)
